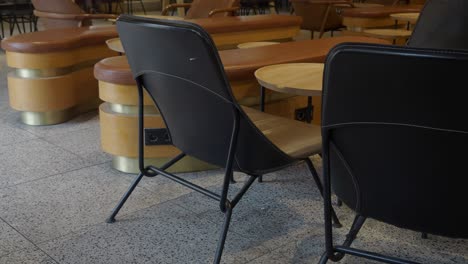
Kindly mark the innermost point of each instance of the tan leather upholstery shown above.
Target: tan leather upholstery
(242, 63)
(55, 40)
(376, 12)
(201, 8)
(67, 38)
(114, 70)
(56, 14)
(297, 139)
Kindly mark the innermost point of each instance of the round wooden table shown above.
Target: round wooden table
(411, 18)
(292, 78)
(388, 33)
(255, 44)
(115, 44)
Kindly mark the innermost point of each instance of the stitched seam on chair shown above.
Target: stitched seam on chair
(353, 178)
(187, 80)
(395, 124)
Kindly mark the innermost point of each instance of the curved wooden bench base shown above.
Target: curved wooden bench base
(119, 137)
(60, 116)
(119, 124)
(52, 88)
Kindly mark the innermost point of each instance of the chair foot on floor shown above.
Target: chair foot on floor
(222, 239)
(260, 178)
(324, 258)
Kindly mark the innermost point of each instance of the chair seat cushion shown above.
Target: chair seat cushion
(297, 139)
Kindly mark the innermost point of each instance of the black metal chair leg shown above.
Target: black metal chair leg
(260, 178)
(324, 258)
(336, 221)
(424, 236)
(232, 178)
(222, 239)
(262, 98)
(122, 201)
(143, 6)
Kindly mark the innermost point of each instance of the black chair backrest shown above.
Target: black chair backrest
(443, 24)
(395, 137)
(179, 66)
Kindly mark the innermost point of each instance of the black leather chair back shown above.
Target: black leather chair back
(179, 66)
(443, 24)
(395, 135)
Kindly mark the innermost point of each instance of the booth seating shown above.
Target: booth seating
(358, 19)
(52, 79)
(324, 15)
(118, 115)
(205, 8)
(64, 14)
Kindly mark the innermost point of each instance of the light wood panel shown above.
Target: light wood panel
(119, 134)
(122, 94)
(52, 93)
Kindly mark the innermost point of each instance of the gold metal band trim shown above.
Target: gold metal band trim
(53, 72)
(57, 117)
(132, 109)
(187, 164)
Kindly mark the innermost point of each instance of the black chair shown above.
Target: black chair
(442, 25)
(186, 80)
(393, 142)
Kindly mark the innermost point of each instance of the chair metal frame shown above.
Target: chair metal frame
(334, 252)
(226, 205)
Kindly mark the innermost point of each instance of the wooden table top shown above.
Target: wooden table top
(115, 44)
(248, 45)
(388, 33)
(408, 17)
(293, 78)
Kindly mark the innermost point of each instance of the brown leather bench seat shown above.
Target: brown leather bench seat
(52, 71)
(240, 64)
(118, 89)
(55, 40)
(71, 38)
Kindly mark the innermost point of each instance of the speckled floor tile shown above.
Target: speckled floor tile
(34, 159)
(165, 233)
(83, 121)
(57, 205)
(31, 256)
(51, 194)
(10, 135)
(85, 143)
(11, 240)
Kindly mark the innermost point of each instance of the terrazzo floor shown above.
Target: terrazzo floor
(57, 187)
